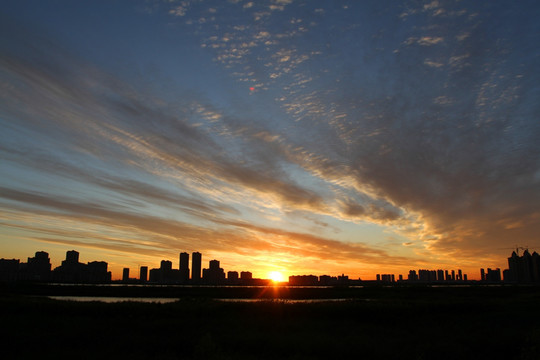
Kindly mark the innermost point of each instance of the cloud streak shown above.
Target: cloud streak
(421, 124)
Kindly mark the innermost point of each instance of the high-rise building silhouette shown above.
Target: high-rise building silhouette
(232, 277)
(96, 272)
(306, 280)
(9, 269)
(72, 257)
(440, 275)
(427, 275)
(387, 278)
(143, 274)
(166, 265)
(246, 275)
(125, 275)
(214, 274)
(523, 269)
(493, 275)
(184, 267)
(38, 267)
(72, 271)
(535, 258)
(196, 261)
(165, 274)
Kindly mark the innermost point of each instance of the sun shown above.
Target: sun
(276, 276)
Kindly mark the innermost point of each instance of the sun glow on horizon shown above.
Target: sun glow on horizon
(276, 276)
(266, 150)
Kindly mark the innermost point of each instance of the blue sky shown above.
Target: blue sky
(294, 136)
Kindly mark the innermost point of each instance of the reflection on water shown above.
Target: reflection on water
(106, 299)
(150, 285)
(113, 299)
(286, 301)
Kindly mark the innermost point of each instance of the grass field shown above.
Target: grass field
(378, 323)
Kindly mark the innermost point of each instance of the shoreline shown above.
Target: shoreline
(266, 292)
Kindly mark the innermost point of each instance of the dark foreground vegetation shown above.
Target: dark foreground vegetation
(377, 323)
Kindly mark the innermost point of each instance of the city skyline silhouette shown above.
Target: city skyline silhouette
(521, 269)
(278, 136)
(270, 179)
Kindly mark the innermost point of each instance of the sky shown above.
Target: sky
(304, 137)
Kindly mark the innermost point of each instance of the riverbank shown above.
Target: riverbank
(416, 291)
(383, 323)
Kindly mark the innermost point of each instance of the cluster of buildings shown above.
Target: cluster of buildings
(524, 269)
(213, 275)
(422, 276)
(323, 280)
(425, 276)
(38, 268)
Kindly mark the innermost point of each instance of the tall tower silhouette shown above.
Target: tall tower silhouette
(143, 274)
(72, 257)
(184, 267)
(196, 261)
